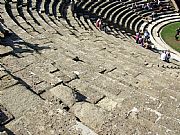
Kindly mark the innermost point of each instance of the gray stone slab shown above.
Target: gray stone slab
(13, 64)
(90, 114)
(64, 93)
(43, 71)
(91, 94)
(18, 99)
(32, 80)
(7, 81)
(110, 85)
(170, 109)
(107, 104)
(139, 100)
(45, 119)
(170, 123)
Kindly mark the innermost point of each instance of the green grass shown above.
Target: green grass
(168, 34)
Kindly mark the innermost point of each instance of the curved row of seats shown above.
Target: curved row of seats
(122, 13)
(155, 29)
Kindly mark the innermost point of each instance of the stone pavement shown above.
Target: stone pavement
(65, 77)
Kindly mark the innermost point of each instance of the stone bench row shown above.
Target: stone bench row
(22, 12)
(116, 9)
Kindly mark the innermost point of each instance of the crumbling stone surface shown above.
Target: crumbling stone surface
(65, 94)
(18, 99)
(90, 114)
(45, 119)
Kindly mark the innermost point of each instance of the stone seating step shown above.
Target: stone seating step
(6, 81)
(122, 16)
(106, 8)
(156, 40)
(44, 70)
(153, 93)
(131, 21)
(67, 44)
(20, 15)
(47, 116)
(169, 98)
(84, 110)
(81, 47)
(142, 27)
(81, 3)
(148, 116)
(87, 4)
(90, 114)
(127, 17)
(86, 57)
(83, 85)
(106, 66)
(85, 25)
(18, 99)
(46, 24)
(113, 10)
(21, 71)
(123, 73)
(34, 81)
(117, 11)
(88, 92)
(150, 108)
(151, 102)
(94, 6)
(62, 93)
(50, 7)
(34, 26)
(55, 7)
(100, 6)
(139, 126)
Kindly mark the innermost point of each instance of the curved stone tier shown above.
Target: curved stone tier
(156, 39)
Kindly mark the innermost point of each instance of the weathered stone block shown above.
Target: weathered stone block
(63, 93)
(90, 114)
(7, 81)
(18, 99)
